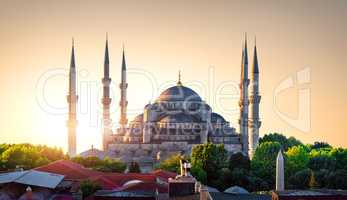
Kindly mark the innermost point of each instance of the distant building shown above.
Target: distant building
(176, 121)
(321, 194)
(33, 185)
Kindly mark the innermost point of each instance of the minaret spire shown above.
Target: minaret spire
(106, 60)
(72, 101)
(72, 63)
(106, 100)
(123, 101)
(243, 103)
(254, 99)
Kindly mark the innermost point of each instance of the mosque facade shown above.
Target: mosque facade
(176, 121)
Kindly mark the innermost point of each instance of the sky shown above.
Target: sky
(302, 48)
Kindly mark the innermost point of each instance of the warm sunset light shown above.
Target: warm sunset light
(160, 99)
(196, 38)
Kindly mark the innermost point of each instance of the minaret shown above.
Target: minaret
(279, 172)
(123, 93)
(243, 103)
(106, 100)
(72, 101)
(254, 100)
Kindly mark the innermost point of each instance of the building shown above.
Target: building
(176, 121)
(321, 194)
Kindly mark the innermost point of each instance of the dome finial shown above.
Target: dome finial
(179, 83)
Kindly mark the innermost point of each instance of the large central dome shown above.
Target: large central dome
(179, 93)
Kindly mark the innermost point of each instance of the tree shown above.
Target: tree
(134, 167)
(337, 179)
(321, 177)
(238, 160)
(263, 164)
(104, 165)
(300, 180)
(285, 142)
(297, 159)
(23, 156)
(199, 174)
(27, 156)
(211, 158)
(322, 159)
(172, 163)
(89, 187)
(340, 156)
(319, 145)
(113, 165)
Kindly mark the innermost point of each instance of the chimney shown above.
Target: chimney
(203, 192)
(181, 167)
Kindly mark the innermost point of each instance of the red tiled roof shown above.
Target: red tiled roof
(69, 169)
(148, 187)
(110, 181)
(163, 175)
(123, 178)
(62, 197)
(104, 182)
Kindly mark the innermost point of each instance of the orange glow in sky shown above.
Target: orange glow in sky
(301, 49)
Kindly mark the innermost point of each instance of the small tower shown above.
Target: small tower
(243, 103)
(280, 172)
(106, 100)
(72, 101)
(123, 93)
(254, 99)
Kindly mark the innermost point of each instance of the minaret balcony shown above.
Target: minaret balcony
(123, 85)
(72, 98)
(121, 103)
(106, 101)
(106, 81)
(254, 99)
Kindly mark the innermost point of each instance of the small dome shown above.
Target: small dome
(131, 182)
(178, 118)
(138, 118)
(216, 118)
(236, 190)
(179, 93)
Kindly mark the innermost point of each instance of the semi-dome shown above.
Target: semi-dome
(217, 118)
(179, 93)
(178, 118)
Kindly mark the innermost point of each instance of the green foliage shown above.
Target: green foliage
(322, 159)
(306, 166)
(134, 167)
(337, 179)
(321, 177)
(297, 159)
(319, 145)
(105, 165)
(263, 164)
(285, 142)
(199, 174)
(340, 155)
(211, 158)
(27, 156)
(89, 187)
(171, 164)
(238, 160)
(300, 180)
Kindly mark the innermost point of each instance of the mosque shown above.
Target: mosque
(176, 121)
